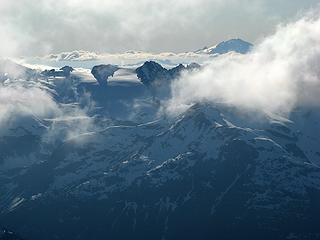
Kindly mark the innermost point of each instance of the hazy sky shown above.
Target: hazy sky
(36, 27)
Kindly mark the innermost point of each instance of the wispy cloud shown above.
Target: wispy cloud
(85, 58)
(19, 101)
(30, 104)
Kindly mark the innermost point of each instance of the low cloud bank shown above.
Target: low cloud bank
(131, 58)
(30, 104)
(18, 101)
(281, 73)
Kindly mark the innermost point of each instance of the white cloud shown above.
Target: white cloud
(283, 71)
(30, 104)
(88, 59)
(17, 101)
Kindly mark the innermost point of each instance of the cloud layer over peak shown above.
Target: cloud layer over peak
(281, 72)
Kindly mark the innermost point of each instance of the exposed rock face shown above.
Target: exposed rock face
(150, 72)
(67, 70)
(103, 72)
(176, 71)
(158, 78)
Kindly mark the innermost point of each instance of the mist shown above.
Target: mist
(33, 104)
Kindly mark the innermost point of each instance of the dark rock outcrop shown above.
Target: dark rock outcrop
(151, 73)
(176, 71)
(103, 72)
(67, 70)
(158, 78)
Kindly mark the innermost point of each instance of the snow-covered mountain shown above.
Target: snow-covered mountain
(232, 45)
(108, 164)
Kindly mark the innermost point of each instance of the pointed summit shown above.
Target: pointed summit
(232, 45)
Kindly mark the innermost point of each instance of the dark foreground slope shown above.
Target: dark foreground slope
(199, 177)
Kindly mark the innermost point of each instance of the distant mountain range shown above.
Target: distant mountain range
(232, 45)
